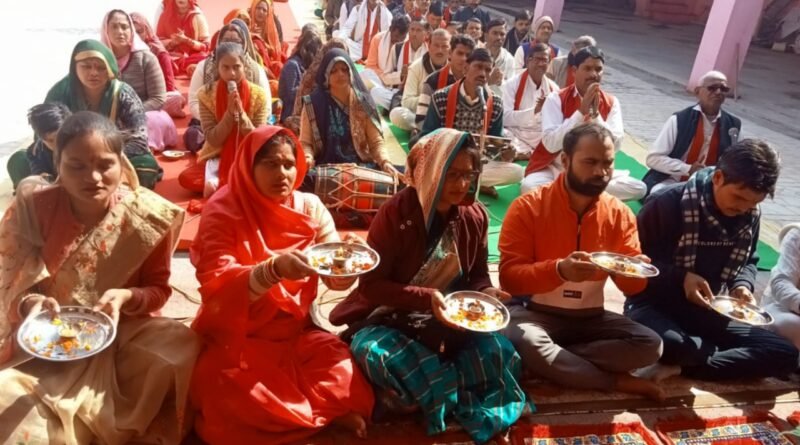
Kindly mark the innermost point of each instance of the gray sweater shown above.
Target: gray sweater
(144, 75)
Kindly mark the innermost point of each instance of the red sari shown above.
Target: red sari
(266, 374)
(267, 41)
(172, 22)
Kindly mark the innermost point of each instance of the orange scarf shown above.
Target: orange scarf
(369, 34)
(697, 145)
(228, 153)
(268, 31)
(444, 73)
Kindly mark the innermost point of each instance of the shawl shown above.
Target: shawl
(697, 207)
(171, 21)
(69, 90)
(362, 108)
(134, 44)
(148, 35)
(265, 228)
(427, 165)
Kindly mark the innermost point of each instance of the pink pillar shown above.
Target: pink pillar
(552, 8)
(726, 38)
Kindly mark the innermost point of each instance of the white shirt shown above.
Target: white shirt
(783, 285)
(658, 156)
(505, 63)
(356, 23)
(197, 82)
(519, 60)
(525, 124)
(393, 75)
(415, 79)
(555, 125)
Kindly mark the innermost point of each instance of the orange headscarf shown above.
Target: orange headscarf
(269, 32)
(240, 14)
(171, 21)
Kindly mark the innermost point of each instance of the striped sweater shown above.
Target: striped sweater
(143, 73)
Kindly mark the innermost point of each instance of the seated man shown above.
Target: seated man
(693, 138)
(561, 69)
(560, 327)
(362, 25)
(468, 105)
(543, 28)
(521, 32)
(460, 49)
(453, 7)
(782, 298)
(472, 9)
(703, 235)
(502, 59)
(580, 102)
(407, 8)
(404, 116)
(434, 16)
(523, 97)
(474, 28)
(45, 120)
(377, 74)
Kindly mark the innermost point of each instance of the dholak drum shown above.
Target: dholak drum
(353, 187)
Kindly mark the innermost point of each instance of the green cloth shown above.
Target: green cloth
(479, 387)
(69, 90)
(147, 169)
(18, 167)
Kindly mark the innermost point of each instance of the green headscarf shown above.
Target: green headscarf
(69, 90)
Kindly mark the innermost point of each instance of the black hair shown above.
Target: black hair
(84, 123)
(229, 49)
(271, 144)
(523, 15)
(308, 45)
(472, 20)
(592, 129)
(111, 14)
(463, 40)
(538, 47)
(400, 23)
(590, 52)
(47, 117)
(480, 55)
(751, 163)
(495, 22)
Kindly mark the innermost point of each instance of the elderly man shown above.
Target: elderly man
(583, 101)
(467, 105)
(523, 98)
(695, 137)
(503, 60)
(362, 25)
(381, 82)
(404, 116)
(460, 49)
(407, 8)
(558, 324)
(561, 70)
(542, 29)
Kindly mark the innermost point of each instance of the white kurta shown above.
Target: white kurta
(505, 63)
(782, 297)
(525, 124)
(354, 28)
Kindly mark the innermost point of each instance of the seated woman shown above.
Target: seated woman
(782, 297)
(240, 13)
(183, 30)
(93, 84)
(45, 120)
(432, 239)
(235, 32)
(268, 36)
(230, 107)
(308, 45)
(267, 374)
(93, 239)
(139, 68)
(175, 100)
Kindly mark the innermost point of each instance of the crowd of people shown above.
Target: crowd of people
(268, 128)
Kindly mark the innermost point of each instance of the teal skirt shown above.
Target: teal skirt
(479, 387)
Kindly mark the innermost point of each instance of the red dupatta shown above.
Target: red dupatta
(252, 228)
(171, 21)
(228, 153)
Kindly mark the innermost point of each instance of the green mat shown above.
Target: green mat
(498, 208)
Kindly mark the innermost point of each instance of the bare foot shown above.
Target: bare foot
(353, 422)
(657, 372)
(635, 385)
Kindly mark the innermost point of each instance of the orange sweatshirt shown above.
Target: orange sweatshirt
(541, 228)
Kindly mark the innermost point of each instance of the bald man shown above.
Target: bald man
(693, 138)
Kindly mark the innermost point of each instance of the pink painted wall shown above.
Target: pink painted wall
(552, 8)
(730, 26)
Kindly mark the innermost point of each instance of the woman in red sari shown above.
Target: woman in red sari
(268, 36)
(267, 374)
(183, 30)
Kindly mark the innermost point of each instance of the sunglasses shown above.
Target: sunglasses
(714, 88)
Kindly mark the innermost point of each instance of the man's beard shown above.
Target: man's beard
(591, 188)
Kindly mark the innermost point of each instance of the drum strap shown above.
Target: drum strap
(452, 104)
(312, 119)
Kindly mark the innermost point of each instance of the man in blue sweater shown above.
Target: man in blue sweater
(702, 235)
